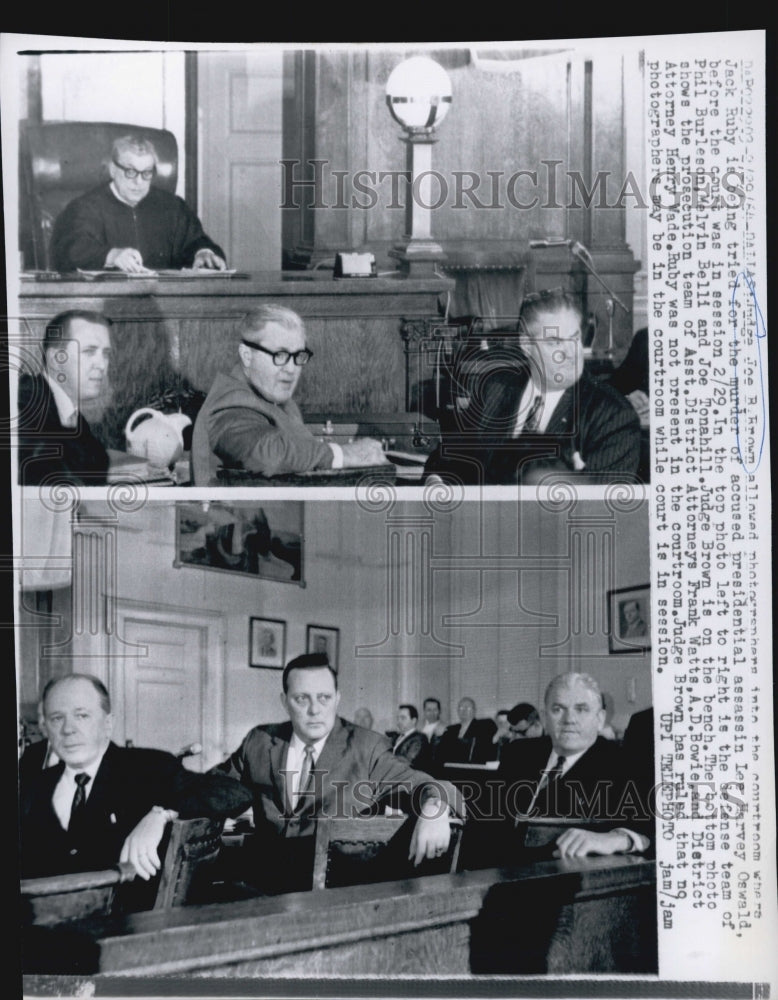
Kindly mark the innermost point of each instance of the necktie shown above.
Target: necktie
(79, 799)
(549, 777)
(532, 422)
(305, 775)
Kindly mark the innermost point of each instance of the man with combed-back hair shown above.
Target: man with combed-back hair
(527, 407)
(249, 419)
(56, 444)
(574, 776)
(317, 764)
(102, 804)
(131, 224)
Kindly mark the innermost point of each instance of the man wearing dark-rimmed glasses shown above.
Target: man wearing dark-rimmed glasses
(130, 224)
(529, 409)
(249, 420)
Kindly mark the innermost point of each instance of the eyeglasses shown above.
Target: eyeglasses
(280, 358)
(131, 173)
(543, 338)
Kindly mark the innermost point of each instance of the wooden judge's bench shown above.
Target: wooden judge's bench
(369, 336)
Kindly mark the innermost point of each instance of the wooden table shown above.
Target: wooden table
(592, 914)
(369, 336)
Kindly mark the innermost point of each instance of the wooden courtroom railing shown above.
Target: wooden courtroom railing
(590, 915)
(176, 333)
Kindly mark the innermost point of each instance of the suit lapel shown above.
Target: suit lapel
(561, 422)
(278, 750)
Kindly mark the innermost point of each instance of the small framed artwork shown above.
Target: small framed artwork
(267, 643)
(262, 541)
(321, 639)
(629, 619)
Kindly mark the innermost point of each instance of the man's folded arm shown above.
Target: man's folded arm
(242, 437)
(393, 774)
(191, 794)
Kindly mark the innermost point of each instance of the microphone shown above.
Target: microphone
(192, 750)
(549, 241)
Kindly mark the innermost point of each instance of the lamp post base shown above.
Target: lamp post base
(417, 256)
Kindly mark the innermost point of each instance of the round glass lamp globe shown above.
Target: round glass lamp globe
(418, 94)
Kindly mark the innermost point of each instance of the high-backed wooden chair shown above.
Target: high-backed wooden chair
(61, 160)
(189, 847)
(193, 846)
(374, 849)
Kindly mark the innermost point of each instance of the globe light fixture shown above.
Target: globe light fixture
(418, 95)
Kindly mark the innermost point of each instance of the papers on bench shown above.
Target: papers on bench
(489, 765)
(126, 468)
(110, 274)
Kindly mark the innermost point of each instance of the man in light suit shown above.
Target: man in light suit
(318, 764)
(410, 743)
(55, 441)
(532, 409)
(102, 804)
(573, 774)
(249, 419)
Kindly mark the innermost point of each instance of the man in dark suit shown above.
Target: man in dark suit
(55, 441)
(572, 774)
(318, 764)
(528, 408)
(103, 804)
(470, 741)
(410, 743)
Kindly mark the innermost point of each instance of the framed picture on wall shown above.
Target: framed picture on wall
(322, 639)
(629, 619)
(262, 540)
(267, 643)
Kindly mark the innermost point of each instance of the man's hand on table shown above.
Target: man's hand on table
(127, 259)
(581, 843)
(365, 451)
(207, 260)
(432, 832)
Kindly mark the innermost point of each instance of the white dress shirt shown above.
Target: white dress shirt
(550, 402)
(294, 762)
(66, 408)
(62, 799)
(401, 737)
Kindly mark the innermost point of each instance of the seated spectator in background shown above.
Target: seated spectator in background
(433, 728)
(249, 419)
(129, 223)
(318, 764)
(524, 722)
(534, 410)
(502, 734)
(470, 740)
(55, 442)
(102, 804)
(631, 377)
(638, 747)
(37, 755)
(573, 774)
(608, 732)
(363, 717)
(410, 743)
